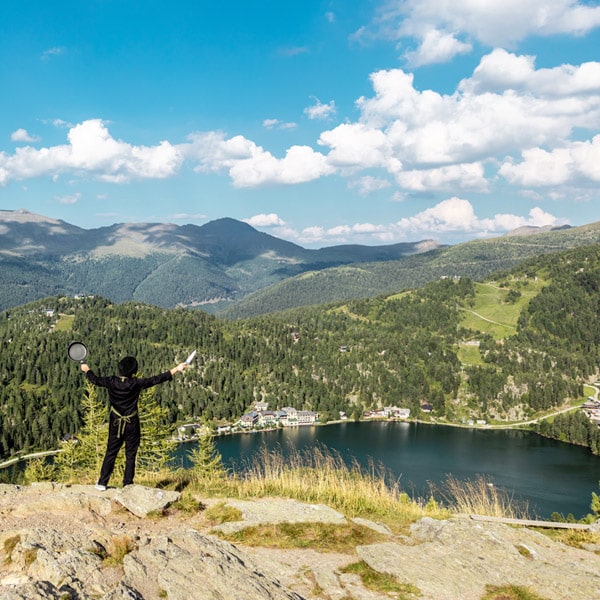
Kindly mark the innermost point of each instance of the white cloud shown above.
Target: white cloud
(92, 150)
(319, 110)
(356, 145)
(458, 215)
(22, 135)
(501, 71)
(466, 176)
(51, 52)
(311, 235)
(277, 124)
(369, 184)
(293, 51)
(70, 199)
(436, 47)
(430, 141)
(188, 217)
(507, 120)
(492, 23)
(250, 165)
(270, 220)
(428, 128)
(454, 217)
(300, 164)
(576, 162)
(453, 214)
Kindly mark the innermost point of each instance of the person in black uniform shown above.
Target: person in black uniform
(124, 421)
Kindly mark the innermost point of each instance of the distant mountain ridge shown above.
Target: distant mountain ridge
(475, 259)
(163, 264)
(229, 268)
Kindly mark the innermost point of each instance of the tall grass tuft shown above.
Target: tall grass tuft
(320, 476)
(481, 497)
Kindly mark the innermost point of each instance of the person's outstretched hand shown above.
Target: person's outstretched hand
(84, 367)
(180, 367)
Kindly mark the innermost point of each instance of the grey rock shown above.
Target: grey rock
(123, 592)
(53, 538)
(186, 564)
(7, 489)
(329, 582)
(54, 498)
(141, 501)
(279, 510)
(454, 559)
(38, 590)
(378, 527)
(64, 561)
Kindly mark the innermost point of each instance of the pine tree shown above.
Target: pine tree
(38, 469)
(156, 446)
(207, 462)
(81, 456)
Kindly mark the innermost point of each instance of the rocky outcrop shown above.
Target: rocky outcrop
(76, 543)
(455, 559)
(55, 542)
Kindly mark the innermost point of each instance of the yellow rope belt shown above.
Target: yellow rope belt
(122, 421)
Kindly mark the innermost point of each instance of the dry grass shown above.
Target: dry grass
(509, 592)
(322, 537)
(319, 476)
(481, 497)
(576, 538)
(9, 545)
(222, 513)
(119, 546)
(382, 582)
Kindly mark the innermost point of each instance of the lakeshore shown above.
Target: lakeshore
(546, 475)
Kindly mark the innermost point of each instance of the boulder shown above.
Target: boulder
(279, 510)
(141, 501)
(186, 564)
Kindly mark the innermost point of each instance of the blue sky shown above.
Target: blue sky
(321, 122)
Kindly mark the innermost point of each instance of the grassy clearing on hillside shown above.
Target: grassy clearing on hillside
(492, 313)
(470, 355)
(65, 323)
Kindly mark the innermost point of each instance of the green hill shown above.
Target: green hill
(166, 265)
(519, 345)
(476, 259)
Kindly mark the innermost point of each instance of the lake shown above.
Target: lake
(549, 476)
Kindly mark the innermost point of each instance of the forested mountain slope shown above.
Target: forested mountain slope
(159, 263)
(476, 259)
(403, 350)
(226, 267)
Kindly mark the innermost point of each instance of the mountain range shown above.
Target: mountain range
(227, 267)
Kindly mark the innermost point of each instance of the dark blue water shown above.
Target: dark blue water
(547, 475)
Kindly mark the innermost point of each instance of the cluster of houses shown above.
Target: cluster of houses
(592, 409)
(262, 417)
(388, 412)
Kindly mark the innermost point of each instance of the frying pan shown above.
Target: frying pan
(77, 351)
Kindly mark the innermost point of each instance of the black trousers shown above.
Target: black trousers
(119, 433)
